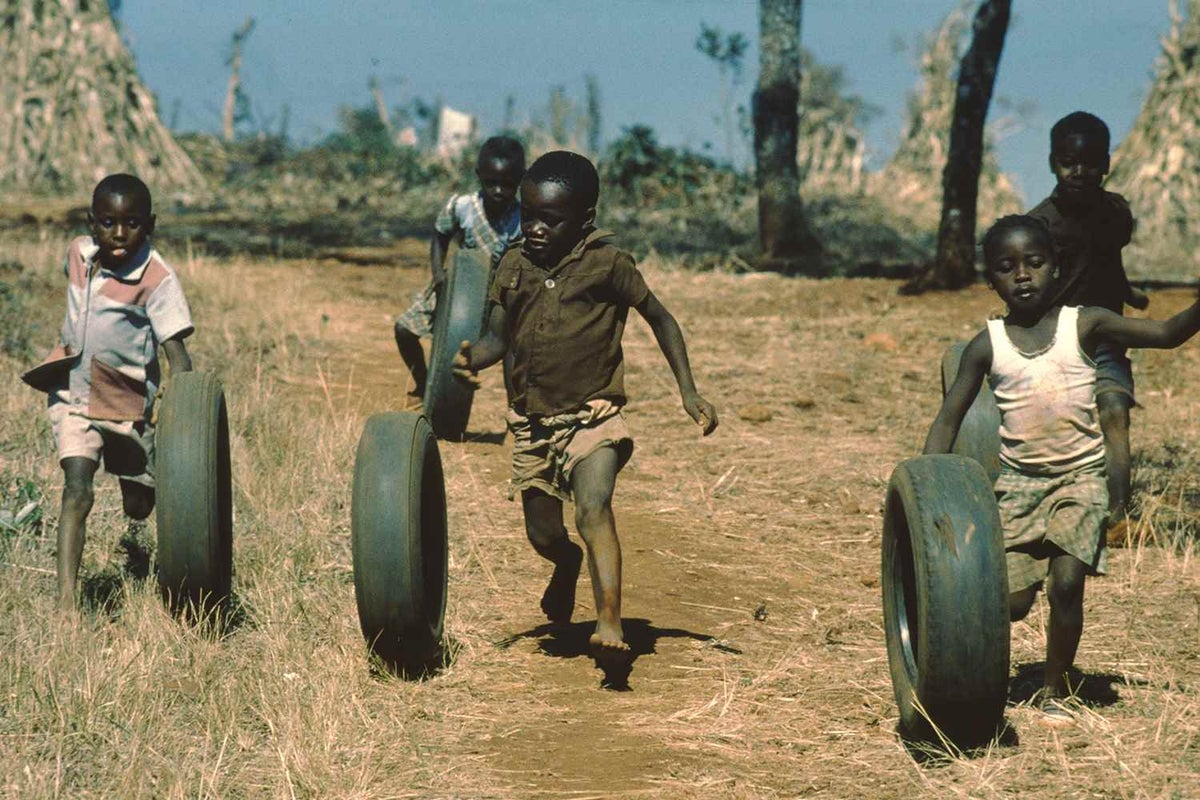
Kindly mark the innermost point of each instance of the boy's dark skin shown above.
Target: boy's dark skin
(1079, 163)
(1021, 270)
(121, 223)
(498, 180)
(553, 221)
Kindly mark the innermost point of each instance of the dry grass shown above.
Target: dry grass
(126, 702)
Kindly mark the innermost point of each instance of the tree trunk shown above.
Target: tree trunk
(229, 111)
(954, 265)
(788, 245)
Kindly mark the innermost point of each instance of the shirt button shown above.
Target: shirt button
(549, 283)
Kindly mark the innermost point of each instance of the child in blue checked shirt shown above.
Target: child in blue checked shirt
(489, 220)
(123, 302)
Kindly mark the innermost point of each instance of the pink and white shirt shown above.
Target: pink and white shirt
(115, 322)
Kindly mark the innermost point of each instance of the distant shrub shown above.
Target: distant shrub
(645, 172)
(17, 326)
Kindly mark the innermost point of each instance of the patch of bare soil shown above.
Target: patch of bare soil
(751, 559)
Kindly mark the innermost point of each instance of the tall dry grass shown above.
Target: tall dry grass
(124, 701)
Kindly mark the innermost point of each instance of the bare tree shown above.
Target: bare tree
(236, 104)
(954, 264)
(72, 107)
(788, 244)
(728, 51)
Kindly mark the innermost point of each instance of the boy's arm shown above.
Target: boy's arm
(490, 348)
(438, 244)
(1098, 325)
(177, 355)
(976, 361)
(670, 341)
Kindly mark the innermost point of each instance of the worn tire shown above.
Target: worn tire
(945, 599)
(457, 317)
(398, 540)
(979, 434)
(194, 494)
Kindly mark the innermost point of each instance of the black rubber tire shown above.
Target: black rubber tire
(945, 599)
(194, 495)
(398, 540)
(979, 435)
(458, 317)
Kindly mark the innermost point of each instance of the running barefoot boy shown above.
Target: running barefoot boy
(560, 305)
(488, 220)
(1052, 493)
(1089, 227)
(123, 301)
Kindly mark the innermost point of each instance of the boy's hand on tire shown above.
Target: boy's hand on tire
(1138, 299)
(460, 367)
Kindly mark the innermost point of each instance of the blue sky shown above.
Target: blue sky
(316, 56)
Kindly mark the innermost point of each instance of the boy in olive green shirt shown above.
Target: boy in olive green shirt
(560, 303)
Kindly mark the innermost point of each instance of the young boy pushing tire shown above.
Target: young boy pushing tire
(560, 302)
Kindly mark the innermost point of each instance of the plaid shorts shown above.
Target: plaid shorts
(418, 317)
(127, 447)
(547, 449)
(1045, 515)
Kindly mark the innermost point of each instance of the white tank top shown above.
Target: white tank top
(1048, 419)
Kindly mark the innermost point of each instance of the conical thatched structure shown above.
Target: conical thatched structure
(1157, 167)
(72, 108)
(911, 183)
(830, 146)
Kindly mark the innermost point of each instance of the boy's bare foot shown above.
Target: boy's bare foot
(609, 647)
(558, 601)
(414, 397)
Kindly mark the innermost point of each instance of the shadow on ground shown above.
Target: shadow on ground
(571, 641)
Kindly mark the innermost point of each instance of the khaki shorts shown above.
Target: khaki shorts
(1114, 372)
(1045, 515)
(547, 449)
(127, 447)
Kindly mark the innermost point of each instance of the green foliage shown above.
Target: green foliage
(728, 50)
(22, 505)
(645, 172)
(17, 327)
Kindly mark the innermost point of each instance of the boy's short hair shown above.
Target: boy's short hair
(123, 184)
(1082, 123)
(502, 148)
(570, 170)
(1035, 225)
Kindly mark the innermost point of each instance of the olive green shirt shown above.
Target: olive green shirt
(564, 324)
(1087, 249)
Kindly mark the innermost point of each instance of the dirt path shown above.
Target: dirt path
(751, 558)
(700, 562)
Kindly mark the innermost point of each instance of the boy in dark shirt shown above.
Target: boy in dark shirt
(560, 303)
(1089, 227)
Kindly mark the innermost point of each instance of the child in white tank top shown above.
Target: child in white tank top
(1051, 491)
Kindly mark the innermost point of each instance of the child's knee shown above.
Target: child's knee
(1020, 602)
(137, 499)
(1066, 592)
(1114, 412)
(77, 497)
(544, 535)
(591, 512)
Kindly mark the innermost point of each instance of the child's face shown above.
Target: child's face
(1079, 162)
(551, 221)
(1021, 270)
(121, 224)
(499, 179)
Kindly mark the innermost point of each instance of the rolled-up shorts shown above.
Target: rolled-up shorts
(1114, 372)
(418, 317)
(546, 450)
(1044, 516)
(127, 448)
